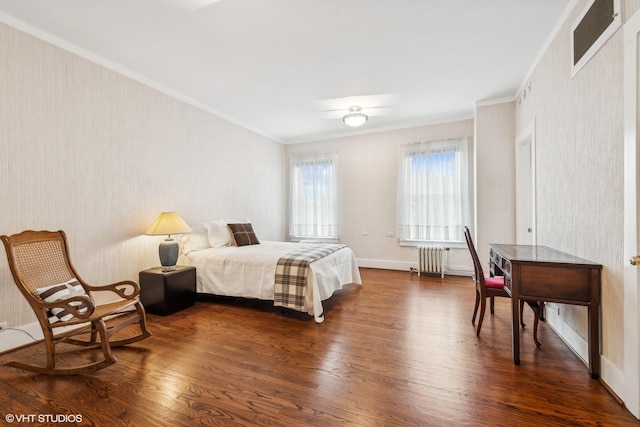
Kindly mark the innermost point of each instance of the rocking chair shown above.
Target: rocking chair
(63, 302)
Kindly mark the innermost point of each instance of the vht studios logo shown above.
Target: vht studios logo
(43, 418)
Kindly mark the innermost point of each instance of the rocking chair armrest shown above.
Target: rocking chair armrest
(119, 288)
(86, 304)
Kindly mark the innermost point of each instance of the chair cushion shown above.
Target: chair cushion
(60, 292)
(494, 282)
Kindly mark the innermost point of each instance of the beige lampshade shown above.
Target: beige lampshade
(168, 223)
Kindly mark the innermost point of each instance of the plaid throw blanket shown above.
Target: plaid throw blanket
(291, 274)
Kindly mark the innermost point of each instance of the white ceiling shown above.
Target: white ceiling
(277, 66)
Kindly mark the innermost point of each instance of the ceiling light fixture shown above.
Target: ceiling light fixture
(355, 117)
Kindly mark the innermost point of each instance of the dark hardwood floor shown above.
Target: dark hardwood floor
(398, 351)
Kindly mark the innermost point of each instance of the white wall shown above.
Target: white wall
(368, 172)
(99, 155)
(494, 177)
(579, 173)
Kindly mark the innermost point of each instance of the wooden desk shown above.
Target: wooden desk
(539, 273)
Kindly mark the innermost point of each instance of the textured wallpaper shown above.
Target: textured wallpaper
(99, 155)
(579, 148)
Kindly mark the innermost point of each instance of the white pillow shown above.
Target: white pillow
(59, 292)
(196, 240)
(219, 234)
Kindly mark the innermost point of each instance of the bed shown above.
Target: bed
(255, 270)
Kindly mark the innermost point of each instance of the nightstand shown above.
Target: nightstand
(165, 292)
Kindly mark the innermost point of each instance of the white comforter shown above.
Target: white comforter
(249, 272)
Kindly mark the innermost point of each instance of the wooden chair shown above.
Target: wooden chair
(491, 287)
(64, 303)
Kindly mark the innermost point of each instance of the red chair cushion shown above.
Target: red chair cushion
(494, 282)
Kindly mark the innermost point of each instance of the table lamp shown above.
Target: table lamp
(168, 223)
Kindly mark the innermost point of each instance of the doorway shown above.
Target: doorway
(525, 186)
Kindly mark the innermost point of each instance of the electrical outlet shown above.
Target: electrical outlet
(3, 326)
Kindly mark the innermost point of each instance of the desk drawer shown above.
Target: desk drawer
(507, 284)
(556, 284)
(498, 261)
(506, 266)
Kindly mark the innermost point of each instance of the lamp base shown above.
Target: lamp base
(168, 251)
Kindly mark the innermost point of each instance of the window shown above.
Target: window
(314, 201)
(433, 191)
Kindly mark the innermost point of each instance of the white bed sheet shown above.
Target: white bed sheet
(249, 272)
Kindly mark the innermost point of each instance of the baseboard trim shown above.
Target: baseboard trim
(14, 338)
(575, 342)
(25, 335)
(386, 265)
(407, 266)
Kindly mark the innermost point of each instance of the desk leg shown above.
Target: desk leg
(594, 342)
(515, 328)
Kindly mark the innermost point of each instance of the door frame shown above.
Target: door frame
(527, 136)
(631, 298)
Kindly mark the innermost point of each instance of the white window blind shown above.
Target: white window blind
(314, 200)
(433, 193)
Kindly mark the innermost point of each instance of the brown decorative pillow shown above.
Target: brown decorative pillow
(243, 234)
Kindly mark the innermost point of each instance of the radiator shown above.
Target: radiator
(431, 260)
